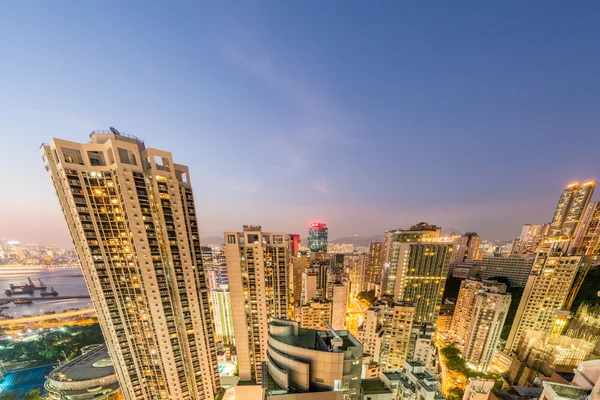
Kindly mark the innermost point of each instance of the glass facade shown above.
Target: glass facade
(317, 237)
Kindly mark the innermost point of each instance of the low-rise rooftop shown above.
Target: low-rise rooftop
(373, 386)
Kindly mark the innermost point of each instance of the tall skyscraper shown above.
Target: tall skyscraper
(466, 248)
(418, 269)
(257, 268)
(546, 292)
(131, 214)
(531, 236)
(339, 304)
(299, 265)
(374, 263)
(571, 205)
(317, 237)
(465, 304)
(357, 275)
(481, 310)
(587, 237)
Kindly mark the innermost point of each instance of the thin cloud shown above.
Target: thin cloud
(322, 187)
(321, 122)
(242, 186)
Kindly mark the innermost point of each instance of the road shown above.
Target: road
(355, 314)
(36, 318)
(444, 372)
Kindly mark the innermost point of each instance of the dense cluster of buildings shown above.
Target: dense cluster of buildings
(294, 319)
(13, 253)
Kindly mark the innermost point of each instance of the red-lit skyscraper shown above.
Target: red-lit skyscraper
(317, 237)
(294, 240)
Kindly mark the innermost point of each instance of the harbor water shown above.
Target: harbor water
(66, 281)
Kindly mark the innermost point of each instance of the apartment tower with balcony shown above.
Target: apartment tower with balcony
(257, 268)
(131, 214)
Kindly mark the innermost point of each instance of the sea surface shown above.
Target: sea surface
(66, 281)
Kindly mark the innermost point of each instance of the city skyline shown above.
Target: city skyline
(316, 113)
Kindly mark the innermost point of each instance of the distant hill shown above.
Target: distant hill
(449, 230)
(357, 240)
(212, 240)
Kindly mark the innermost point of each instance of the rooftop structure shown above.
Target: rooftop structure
(585, 384)
(414, 382)
(91, 373)
(375, 389)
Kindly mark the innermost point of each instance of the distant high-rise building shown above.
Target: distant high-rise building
(419, 268)
(339, 303)
(299, 265)
(546, 292)
(466, 248)
(131, 214)
(374, 263)
(317, 237)
(257, 267)
(321, 267)
(481, 310)
(221, 305)
(309, 285)
(570, 208)
(531, 236)
(357, 274)
(465, 304)
(514, 268)
(587, 237)
(294, 239)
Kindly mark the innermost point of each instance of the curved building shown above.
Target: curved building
(89, 376)
(305, 363)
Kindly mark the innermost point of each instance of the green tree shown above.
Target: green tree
(33, 395)
(8, 396)
(455, 393)
(369, 296)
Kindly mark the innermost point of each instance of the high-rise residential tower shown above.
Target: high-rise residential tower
(317, 237)
(299, 266)
(466, 248)
(481, 309)
(418, 269)
(397, 330)
(546, 292)
(587, 237)
(131, 214)
(374, 263)
(257, 268)
(531, 236)
(294, 239)
(571, 205)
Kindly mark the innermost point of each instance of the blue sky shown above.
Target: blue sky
(365, 115)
